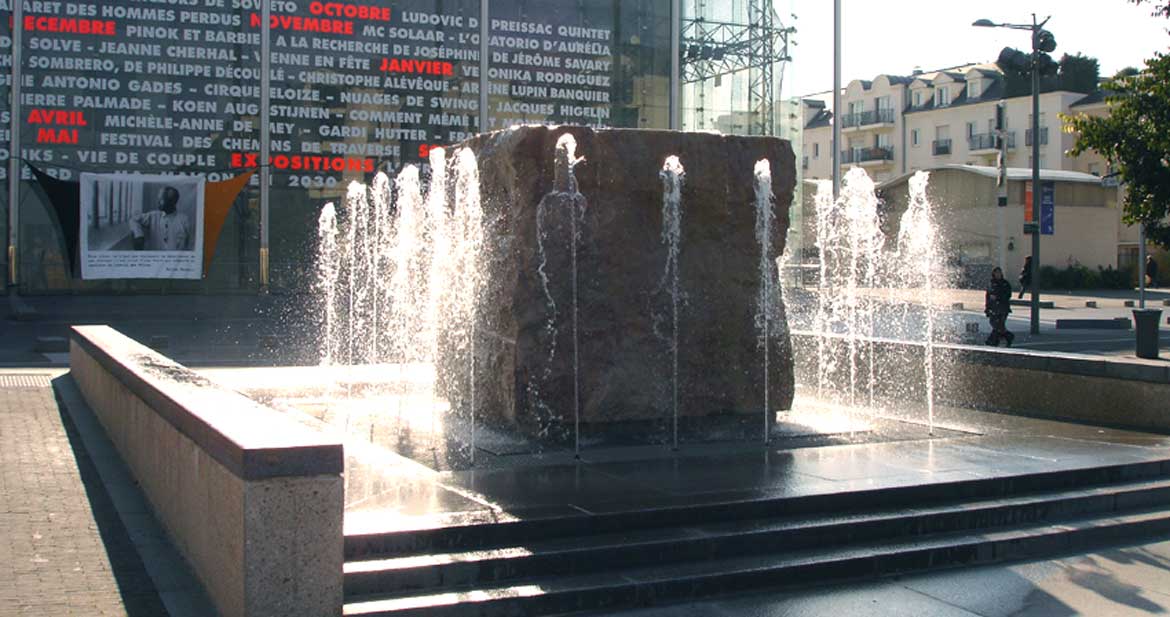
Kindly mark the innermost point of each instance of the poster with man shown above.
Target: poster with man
(141, 226)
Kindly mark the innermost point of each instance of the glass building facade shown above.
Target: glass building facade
(323, 92)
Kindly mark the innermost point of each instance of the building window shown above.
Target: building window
(918, 98)
(914, 138)
(942, 97)
(970, 130)
(973, 89)
(817, 150)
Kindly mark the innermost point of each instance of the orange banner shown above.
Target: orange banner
(218, 198)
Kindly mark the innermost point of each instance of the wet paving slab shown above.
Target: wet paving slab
(390, 487)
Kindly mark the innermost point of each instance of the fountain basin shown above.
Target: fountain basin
(535, 369)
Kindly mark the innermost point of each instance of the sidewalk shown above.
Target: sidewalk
(76, 537)
(64, 549)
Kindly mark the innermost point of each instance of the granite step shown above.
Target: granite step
(663, 584)
(578, 555)
(535, 526)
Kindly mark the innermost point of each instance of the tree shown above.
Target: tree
(1078, 74)
(1128, 71)
(1159, 9)
(1135, 139)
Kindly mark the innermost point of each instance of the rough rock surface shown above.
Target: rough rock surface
(525, 351)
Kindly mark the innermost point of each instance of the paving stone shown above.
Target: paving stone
(63, 548)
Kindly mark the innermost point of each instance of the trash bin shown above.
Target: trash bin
(1146, 331)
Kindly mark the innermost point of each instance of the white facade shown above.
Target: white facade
(896, 125)
(944, 119)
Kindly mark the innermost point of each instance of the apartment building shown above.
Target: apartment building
(895, 125)
(944, 121)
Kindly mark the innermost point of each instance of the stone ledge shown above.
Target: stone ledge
(253, 500)
(1121, 392)
(249, 439)
(1117, 323)
(1129, 369)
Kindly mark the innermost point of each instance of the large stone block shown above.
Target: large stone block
(624, 308)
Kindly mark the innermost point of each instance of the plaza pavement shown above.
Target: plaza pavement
(279, 329)
(77, 538)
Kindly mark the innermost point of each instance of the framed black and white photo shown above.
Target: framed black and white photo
(141, 226)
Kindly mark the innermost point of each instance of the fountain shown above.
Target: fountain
(876, 288)
(672, 175)
(527, 299)
(529, 285)
(532, 298)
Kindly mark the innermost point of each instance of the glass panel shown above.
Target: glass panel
(374, 92)
(5, 131)
(374, 96)
(150, 89)
(590, 63)
(719, 90)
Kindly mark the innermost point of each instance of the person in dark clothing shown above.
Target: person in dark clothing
(1151, 272)
(997, 305)
(1025, 275)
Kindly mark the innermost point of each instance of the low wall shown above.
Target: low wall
(253, 500)
(1122, 392)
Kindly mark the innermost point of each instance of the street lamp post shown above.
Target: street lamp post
(1038, 60)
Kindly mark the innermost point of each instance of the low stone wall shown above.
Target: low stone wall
(253, 500)
(1121, 392)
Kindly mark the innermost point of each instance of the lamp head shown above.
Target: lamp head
(984, 23)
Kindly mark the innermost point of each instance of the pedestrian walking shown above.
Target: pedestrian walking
(1025, 276)
(1151, 271)
(997, 305)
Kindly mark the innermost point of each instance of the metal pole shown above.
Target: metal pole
(1037, 191)
(1002, 197)
(675, 64)
(265, 135)
(1141, 265)
(14, 148)
(484, 63)
(836, 98)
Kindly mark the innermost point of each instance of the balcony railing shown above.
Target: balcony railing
(1043, 136)
(866, 118)
(941, 147)
(866, 155)
(986, 141)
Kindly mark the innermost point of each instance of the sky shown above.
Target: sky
(895, 36)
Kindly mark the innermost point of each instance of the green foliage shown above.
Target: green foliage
(1128, 71)
(1135, 139)
(1079, 74)
(1160, 10)
(1080, 277)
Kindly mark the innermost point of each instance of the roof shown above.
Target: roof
(1093, 99)
(992, 93)
(822, 119)
(1014, 174)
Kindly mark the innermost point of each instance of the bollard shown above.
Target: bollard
(1146, 332)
